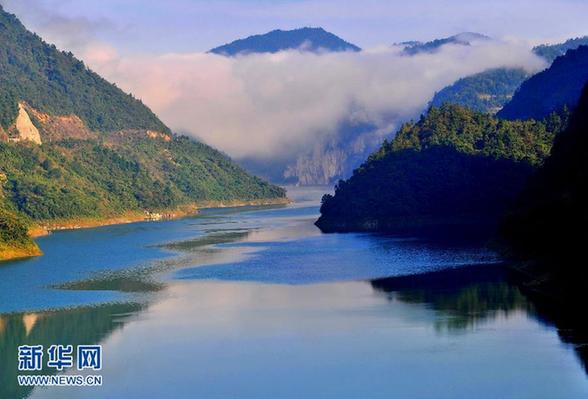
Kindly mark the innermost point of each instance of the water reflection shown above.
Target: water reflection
(87, 325)
(465, 297)
(569, 319)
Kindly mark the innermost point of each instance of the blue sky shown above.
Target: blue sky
(197, 25)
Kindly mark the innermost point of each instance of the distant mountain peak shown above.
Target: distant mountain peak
(463, 38)
(306, 39)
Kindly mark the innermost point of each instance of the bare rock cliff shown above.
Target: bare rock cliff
(24, 130)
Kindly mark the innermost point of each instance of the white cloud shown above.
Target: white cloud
(272, 105)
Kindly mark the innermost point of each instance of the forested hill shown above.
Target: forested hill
(551, 51)
(306, 39)
(56, 82)
(490, 90)
(549, 220)
(486, 91)
(454, 167)
(74, 149)
(557, 87)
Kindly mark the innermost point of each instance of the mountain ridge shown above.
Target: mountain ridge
(551, 90)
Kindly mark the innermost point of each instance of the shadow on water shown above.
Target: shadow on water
(467, 296)
(80, 326)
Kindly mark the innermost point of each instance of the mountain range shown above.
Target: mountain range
(490, 90)
(335, 157)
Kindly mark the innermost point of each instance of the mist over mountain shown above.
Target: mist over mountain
(551, 51)
(463, 39)
(304, 39)
(303, 116)
(490, 90)
(324, 154)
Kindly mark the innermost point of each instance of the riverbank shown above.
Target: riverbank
(44, 227)
(18, 251)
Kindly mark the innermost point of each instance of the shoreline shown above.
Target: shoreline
(46, 227)
(10, 252)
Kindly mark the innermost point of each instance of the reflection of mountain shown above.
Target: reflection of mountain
(569, 318)
(89, 325)
(469, 295)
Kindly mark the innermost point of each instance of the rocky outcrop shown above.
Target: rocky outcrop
(23, 129)
(58, 127)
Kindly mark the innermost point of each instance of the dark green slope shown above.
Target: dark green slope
(551, 51)
(95, 178)
(550, 217)
(557, 87)
(490, 90)
(487, 91)
(57, 83)
(454, 167)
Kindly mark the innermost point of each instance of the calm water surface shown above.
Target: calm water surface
(257, 303)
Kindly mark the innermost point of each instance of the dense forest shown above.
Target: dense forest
(91, 178)
(452, 167)
(556, 88)
(14, 233)
(551, 51)
(486, 91)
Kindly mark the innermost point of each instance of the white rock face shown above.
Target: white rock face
(24, 126)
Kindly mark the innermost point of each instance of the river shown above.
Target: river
(256, 303)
